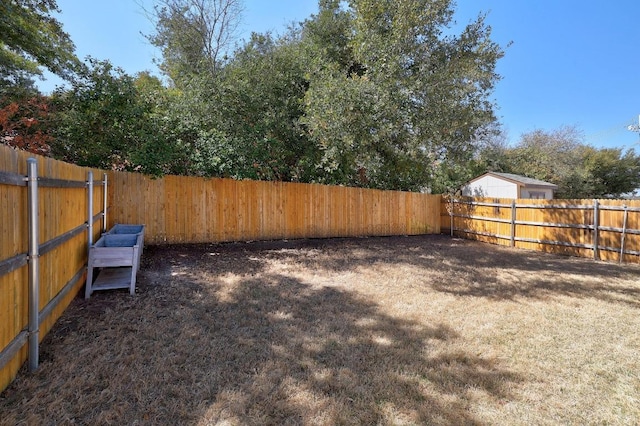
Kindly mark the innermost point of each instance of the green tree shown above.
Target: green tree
(101, 120)
(194, 35)
(548, 155)
(186, 141)
(397, 102)
(612, 173)
(364, 93)
(555, 156)
(259, 102)
(30, 38)
(491, 154)
(184, 138)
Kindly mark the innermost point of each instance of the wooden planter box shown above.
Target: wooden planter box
(120, 228)
(119, 256)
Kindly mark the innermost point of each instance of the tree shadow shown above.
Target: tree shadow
(197, 346)
(451, 265)
(217, 334)
(498, 272)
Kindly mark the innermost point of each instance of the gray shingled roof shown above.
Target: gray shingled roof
(524, 180)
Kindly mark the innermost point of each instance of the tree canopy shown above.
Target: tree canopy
(392, 99)
(31, 38)
(366, 93)
(194, 35)
(381, 94)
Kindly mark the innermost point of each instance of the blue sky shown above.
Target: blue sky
(570, 62)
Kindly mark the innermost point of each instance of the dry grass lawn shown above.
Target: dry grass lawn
(388, 331)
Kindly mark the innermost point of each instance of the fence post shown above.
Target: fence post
(104, 203)
(596, 229)
(90, 207)
(624, 233)
(451, 215)
(87, 290)
(34, 267)
(513, 223)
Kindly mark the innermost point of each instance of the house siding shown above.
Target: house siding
(490, 186)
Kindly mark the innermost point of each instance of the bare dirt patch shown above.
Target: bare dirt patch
(398, 330)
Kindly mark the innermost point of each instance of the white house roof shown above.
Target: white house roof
(520, 180)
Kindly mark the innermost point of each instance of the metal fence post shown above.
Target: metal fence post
(596, 229)
(34, 267)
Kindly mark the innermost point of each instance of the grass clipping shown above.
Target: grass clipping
(398, 330)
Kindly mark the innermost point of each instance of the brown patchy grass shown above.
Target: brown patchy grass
(400, 330)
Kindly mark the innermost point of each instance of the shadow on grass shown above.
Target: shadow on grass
(455, 266)
(196, 348)
(218, 335)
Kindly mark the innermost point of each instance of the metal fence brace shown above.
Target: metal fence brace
(30, 334)
(34, 269)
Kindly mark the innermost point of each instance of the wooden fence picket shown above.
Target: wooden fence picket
(600, 229)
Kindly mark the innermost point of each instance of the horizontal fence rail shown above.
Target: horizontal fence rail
(44, 230)
(579, 227)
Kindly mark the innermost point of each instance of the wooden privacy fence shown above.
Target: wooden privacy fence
(47, 218)
(44, 235)
(601, 229)
(177, 209)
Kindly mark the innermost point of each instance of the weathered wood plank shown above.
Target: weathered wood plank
(113, 278)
